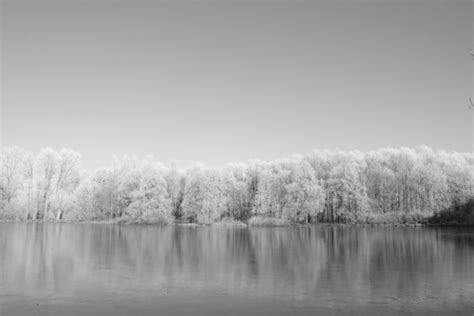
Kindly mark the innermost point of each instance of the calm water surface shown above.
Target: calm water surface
(82, 269)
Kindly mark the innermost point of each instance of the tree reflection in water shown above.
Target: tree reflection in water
(301, 268)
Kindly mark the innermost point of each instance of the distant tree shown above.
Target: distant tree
(104, 187)
(12, 177)
(305, 195)
(203, 200)
(346, 194)
(66, 181)
(272, 190)
(45, 174)
(236, 192)
(150, 201)
(389, 184)
(175, 181)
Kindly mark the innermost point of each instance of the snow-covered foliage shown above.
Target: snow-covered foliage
(323, 186)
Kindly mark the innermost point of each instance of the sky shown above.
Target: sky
(227, 81)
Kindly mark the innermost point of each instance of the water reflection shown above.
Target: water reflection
(134, 269)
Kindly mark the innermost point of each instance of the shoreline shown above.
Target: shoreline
(239, 224)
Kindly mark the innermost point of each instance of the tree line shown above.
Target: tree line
(384, 186)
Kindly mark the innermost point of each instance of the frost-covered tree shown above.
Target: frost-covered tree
(12, 179)
(150, 201)
(346, 196)
(203, 200)
(272, 190)
(55, 178)
(236, 192)
(175, 181)
(97, 197)
(390, 184)
(45, 174)
(305, 194)
(66, 181)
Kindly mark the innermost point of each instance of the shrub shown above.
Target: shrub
(268, 221)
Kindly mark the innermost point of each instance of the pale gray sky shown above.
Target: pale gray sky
(227, 81)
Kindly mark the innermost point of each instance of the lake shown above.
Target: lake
(92, 269)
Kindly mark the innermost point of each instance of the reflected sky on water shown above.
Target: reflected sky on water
(77, 269)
